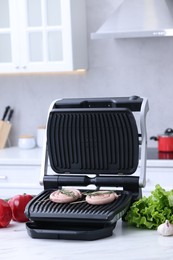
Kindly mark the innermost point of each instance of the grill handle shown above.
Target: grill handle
(57, 181)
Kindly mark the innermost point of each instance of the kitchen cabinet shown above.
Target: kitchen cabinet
(158, 172)
(42, 35)
(19, 171)
(19, 179)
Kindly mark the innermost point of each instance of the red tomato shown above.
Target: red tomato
(18, 204)
(5, 213)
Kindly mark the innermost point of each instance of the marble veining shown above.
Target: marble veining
(127, 243)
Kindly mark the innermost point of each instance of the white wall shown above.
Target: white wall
(116, 68)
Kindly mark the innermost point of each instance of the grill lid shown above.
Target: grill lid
(93, 140)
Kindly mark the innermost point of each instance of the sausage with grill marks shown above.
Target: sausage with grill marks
(65, 195)
(101, 197)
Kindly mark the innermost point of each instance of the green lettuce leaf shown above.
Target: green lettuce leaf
(150, 212)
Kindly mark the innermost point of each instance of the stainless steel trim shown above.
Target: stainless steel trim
(138, 18)
(144, 110)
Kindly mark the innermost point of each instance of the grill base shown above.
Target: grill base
(64, 231)
(74, 221)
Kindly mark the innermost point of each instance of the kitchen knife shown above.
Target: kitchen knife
(5, 113)
(10, 115)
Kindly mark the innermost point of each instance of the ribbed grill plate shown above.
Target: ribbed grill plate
(42, 209)
(103, 141)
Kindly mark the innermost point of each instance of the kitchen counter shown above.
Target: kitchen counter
(127, 243)
(162, 159)
(15, 156)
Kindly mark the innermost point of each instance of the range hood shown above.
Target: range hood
(139, 18)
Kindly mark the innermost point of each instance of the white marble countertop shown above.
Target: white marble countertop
(127, 243)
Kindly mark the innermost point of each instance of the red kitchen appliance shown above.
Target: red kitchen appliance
(91, 144)
(165, 141)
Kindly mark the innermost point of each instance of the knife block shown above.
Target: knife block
(5, 128)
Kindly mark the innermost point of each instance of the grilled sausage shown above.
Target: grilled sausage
(101, 197)
(65, 195)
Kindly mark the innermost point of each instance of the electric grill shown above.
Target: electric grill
(91, 144)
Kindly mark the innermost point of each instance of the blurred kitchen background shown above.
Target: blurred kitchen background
(121, 67)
